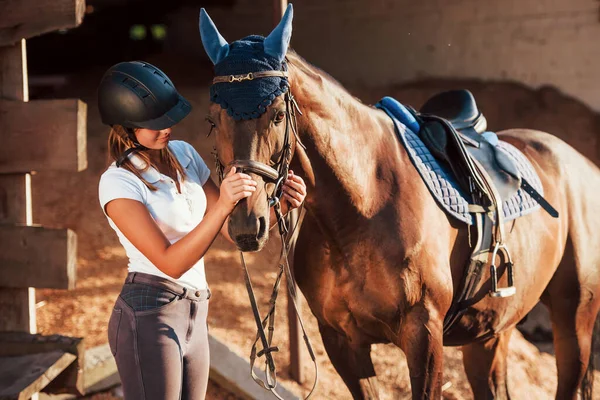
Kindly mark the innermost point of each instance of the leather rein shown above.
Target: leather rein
(276, 175)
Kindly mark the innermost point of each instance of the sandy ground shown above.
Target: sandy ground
(70, 200)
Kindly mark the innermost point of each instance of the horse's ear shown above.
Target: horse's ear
(215, 45)
(276, 44)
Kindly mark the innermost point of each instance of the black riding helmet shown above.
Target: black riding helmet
(136, 94)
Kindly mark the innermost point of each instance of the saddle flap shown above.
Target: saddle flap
(442, 145)
(501, 169)
(454, 149)
(435, 138)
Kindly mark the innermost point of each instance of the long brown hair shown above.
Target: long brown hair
(119, 141)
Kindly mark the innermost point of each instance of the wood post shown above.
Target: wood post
(296, 370)
(41, 135)
(17, 305)
(296, 359)
(279, 7)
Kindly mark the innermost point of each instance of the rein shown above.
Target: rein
(277, 176)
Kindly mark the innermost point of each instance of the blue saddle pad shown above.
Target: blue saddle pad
(439, 179)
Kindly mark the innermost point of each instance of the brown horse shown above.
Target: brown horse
(378, 261)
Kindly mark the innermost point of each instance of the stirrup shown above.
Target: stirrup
(510, 290)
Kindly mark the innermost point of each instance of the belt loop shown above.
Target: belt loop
(182, 296)
(209, 294)
(129, 278)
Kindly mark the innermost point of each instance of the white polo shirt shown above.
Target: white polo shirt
(175, 213)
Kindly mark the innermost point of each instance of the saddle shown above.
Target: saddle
(457, 109)
(453, 129)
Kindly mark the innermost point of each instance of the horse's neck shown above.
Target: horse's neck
(350, 148)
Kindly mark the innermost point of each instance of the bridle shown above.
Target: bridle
(277, 175)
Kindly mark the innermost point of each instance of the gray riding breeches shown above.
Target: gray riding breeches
(158, 335)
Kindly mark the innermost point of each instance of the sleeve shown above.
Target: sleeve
(201, 168)
(117, 184)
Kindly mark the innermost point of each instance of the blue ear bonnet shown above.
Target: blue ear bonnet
(247, 99)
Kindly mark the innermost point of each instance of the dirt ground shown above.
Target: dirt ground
(84, 312)
(70, 200)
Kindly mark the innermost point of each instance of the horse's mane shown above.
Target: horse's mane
(316, 73)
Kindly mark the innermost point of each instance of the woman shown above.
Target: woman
(158, 198)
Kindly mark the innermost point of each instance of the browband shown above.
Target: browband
(249, 76)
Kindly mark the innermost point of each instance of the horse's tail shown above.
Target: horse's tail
(587, 385)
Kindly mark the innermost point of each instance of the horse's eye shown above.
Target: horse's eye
(212, 125)
(280, 116)
(210, 121)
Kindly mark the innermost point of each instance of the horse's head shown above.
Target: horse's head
(252, 118)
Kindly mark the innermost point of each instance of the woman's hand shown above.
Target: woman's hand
(294, 191)
(234, 188)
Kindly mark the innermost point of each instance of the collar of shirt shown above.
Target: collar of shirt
(151, 175)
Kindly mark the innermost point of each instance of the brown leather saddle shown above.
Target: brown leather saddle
(452, 129)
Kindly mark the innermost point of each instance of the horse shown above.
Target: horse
(377, 259)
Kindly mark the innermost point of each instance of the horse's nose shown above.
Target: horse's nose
(249, 235)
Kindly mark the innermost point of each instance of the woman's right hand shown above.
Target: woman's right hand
(235, 187)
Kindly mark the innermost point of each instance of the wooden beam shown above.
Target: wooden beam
(13, 72)
(33, 256)
(15, 198)
(100, 369)
(23, 376)
(233, 373)
(71, 380)
(17, 307)
(28, 18)
(43, 135)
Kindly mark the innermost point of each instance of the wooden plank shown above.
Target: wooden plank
(227, 369)
(28, 18)
(56, 130)
(100, 372)
(233, 373)
(23, 376)
(25, 251)
(71, 380)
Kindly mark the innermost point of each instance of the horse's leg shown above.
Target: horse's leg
(421, 340)
(572, 326)
(353, 363)
(572, 299)
(485, 365)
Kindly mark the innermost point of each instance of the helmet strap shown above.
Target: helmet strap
(137, 147)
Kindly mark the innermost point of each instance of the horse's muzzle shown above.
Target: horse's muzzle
(252, 236)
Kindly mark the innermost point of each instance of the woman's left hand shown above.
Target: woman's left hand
(294, 190)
